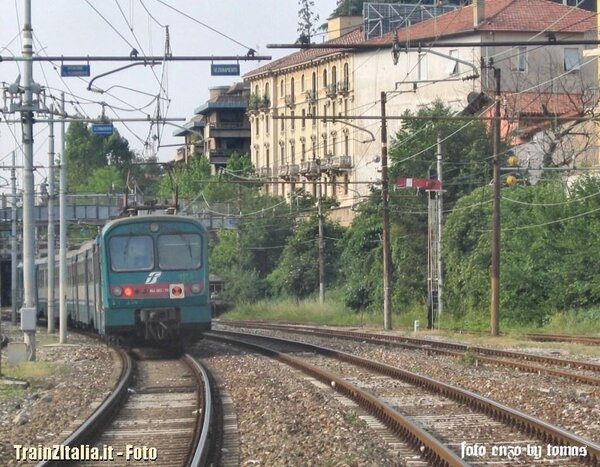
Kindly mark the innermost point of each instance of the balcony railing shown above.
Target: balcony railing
(290, 101)
(343, 88)
(309, 169)
(311, 96)
(337, 163)
(229, 125)
(264, 172)
(331, 90)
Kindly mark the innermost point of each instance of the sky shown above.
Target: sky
(113, 28)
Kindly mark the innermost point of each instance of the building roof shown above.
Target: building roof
(500, 15)
(193, 124)
(306, 55)
(222, 102)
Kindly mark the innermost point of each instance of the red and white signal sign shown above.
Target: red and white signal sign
(425, 183)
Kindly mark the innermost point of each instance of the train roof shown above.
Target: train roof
(150, 218)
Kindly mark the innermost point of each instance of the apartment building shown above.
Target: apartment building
(291, 154)
(219, 127)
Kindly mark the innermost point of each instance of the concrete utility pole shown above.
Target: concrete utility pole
(62, 262)
(50, 206)
(14, 253)
(387, 256)
(27, 108)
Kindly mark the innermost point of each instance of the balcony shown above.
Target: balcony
(290, 101)
(239, 129)
(293, 170)
(341, 163)
(283, 171)
(219, 156)
(343, 88)
(311, 96)
(309, 169)
(331, 90)
(264, 172)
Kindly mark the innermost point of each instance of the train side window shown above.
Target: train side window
(131, 253)
(179, 251)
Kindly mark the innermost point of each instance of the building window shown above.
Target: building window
(346, 145)
(292, 91)
(346, 77)
(333, 145)
(422, 67)
(572, 60)
(453, 64)
(292, 121)
(519, 62)
(333, 76)
(303, 118)
(324, 78)
(303, 152)
(281, 89)
(267, 124)
(282, 156)
(256, 124)
(314, 83)
(346, 183)
(314, 112)
(292, 153)
(333, 114)
(302, 84)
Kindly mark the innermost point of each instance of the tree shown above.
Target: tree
(297, 273)
(86, 152)
(307, 21)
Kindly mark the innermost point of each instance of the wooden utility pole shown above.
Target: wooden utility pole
(387, 256)
(495, 270)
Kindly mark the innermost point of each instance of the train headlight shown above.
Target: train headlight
(197, 288)
(117, 291)
(128, 292)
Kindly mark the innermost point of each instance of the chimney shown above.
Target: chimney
(341, 25)
(478, 12)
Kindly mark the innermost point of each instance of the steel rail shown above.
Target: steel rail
(202, 439)
(507, 415)
(101, 415)
(425, 344)
(433, 450)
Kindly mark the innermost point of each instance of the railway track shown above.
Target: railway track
(446, 426)
(160, 412)
(574, 370)
(588, 340)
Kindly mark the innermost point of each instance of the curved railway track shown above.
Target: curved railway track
(446, 426)
(575, 370)
(160, 412)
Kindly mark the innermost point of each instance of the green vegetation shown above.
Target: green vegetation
(548, 246)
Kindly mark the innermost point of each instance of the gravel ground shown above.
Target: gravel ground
(570, 405)
(66, 383)
(284, 420)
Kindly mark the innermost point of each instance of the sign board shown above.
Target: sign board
(425, 183)
(225, 69)
(74, 70)
(102, 128)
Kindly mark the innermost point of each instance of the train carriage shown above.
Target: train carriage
(156, 277)
(142, 277)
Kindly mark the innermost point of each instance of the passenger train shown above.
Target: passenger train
(143, 277)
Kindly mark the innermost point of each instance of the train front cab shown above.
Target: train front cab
(156, 276)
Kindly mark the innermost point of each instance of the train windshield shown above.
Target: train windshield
(179, 251)
(132, 253)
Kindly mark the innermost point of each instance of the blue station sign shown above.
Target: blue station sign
(102, 128)
(74, 70)
(225, 69)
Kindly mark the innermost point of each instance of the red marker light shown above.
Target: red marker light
(128, 292)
